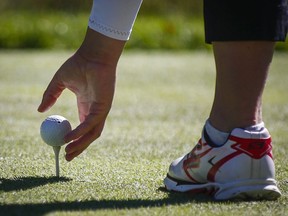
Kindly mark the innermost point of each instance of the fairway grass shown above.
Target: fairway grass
(161, 103)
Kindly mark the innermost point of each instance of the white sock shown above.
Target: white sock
(217, 137)
(257, 127)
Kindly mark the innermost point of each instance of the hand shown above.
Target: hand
(90, 73)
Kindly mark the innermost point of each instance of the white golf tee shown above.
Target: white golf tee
(56, 153)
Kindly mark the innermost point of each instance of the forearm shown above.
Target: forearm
(110, 25)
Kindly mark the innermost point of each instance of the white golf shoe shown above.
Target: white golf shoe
(242, 168)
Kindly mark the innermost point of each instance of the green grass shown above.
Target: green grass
(65, 30)
(34, 30)
(161, 102)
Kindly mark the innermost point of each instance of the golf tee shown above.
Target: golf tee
(56, 153)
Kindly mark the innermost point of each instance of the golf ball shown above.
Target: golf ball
(53, 130)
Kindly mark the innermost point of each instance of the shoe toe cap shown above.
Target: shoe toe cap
(176, 171)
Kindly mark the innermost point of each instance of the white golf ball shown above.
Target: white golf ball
(53, 130)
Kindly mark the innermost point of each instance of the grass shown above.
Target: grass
(161, 102)
(65, 30)
(42, 30)
(60, 30)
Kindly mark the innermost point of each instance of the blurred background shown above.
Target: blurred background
(50, 24)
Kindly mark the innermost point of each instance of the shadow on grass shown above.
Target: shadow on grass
(38, 209)
(94, 205)
(24, 183)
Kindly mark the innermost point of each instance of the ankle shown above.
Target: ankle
(219, 137)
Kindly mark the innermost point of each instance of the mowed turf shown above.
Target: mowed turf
(161, 102)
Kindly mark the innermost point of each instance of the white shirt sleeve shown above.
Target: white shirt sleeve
(114, 18)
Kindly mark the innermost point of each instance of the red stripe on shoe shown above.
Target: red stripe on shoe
(255, 148)
(212, 172)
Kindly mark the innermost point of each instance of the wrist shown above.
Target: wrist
(100, 48)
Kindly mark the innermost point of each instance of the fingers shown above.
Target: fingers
(76, 147)
(81, 130)
(88, 131)
(51, 94)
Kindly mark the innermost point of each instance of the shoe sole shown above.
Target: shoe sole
(239, 190)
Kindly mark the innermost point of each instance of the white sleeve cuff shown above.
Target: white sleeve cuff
(114, 18)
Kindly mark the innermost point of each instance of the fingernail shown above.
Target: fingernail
(67, 158)
(66, 149)
(39, 108)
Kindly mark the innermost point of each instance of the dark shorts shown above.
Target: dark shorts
(245, 20)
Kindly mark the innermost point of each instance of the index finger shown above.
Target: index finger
(51, 94)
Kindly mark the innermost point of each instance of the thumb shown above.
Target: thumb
(51, 94)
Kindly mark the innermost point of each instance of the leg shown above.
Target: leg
(242, 167)
(242, 69)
